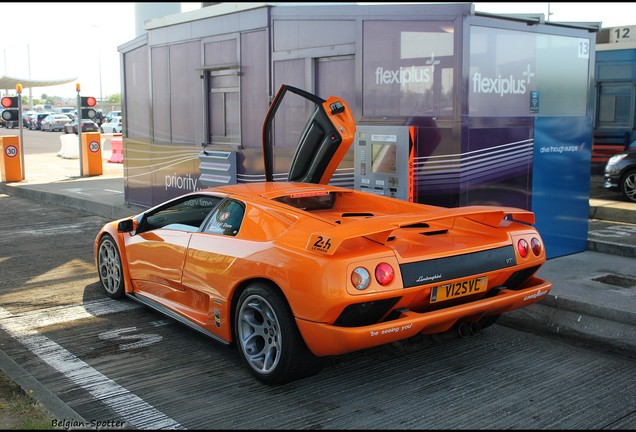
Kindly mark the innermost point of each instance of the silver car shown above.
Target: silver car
(55, 122)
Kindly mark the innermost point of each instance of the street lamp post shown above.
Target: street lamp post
(99, 63)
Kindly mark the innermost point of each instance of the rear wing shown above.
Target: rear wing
(380, 228)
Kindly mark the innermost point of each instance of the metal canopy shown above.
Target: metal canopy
(9, 83)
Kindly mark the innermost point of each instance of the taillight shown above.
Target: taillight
(522, 248)
(535, 244)
(360, 278)
(384, 273)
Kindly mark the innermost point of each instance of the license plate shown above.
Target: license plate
(459, 289)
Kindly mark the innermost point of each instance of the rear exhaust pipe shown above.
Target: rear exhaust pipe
(464, 330)
(475, 327)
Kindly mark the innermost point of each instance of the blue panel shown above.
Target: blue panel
(561, 182)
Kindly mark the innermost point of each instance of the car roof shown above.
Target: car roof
(272, 190)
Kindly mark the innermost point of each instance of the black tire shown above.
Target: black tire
(268, 339)
(628, 186)
(109, 267)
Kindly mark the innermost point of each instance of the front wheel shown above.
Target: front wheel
(628, 186)
(109, 267)
(268, 339)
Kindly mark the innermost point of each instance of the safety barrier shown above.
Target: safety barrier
(92, 164)
(12, 163)
(70, 146)
(117, 146)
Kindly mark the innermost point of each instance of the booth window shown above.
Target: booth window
(224, 106)
(614, 108)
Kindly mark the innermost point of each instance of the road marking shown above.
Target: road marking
(140, 340)
(66, 313)
(135, 411)
(614, 231)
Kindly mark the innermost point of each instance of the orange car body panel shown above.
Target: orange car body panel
(197, 275)
(330, 340)
(306, 238)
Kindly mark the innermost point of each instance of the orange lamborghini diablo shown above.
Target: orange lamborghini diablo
(292, 271)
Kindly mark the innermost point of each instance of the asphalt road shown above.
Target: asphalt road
(120, 364)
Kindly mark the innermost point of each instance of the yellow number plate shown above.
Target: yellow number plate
(459, 289)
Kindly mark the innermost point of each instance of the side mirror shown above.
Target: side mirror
(125, 226)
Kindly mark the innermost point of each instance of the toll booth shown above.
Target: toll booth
(383, 161)
(454, 107)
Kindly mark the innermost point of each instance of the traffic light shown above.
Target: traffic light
(10, 105)
(87, 103)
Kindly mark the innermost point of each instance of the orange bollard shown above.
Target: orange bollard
(117, 146)
(91, 154)
(11, 158)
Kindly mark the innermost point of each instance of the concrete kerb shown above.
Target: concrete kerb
(612, 248)
(99, 208)
(54, 405)
(607, 328)
(613, 212)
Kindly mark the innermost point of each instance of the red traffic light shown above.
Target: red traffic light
(88, 101)
(11, 105)
(10, 102)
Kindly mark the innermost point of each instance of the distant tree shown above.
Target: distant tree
(114, 98)
(51, 100)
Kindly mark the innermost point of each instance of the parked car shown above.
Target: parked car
(620, 173)
(113, 126)
(36, 120)
(29, 119)
(25, 118)
(87, 126)
(111, 115)
(71, 114)
(55, 122)
(293, 271)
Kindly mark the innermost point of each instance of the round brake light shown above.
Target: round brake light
(535, 244)
(360, 278)
(522, 248)
(384, 273)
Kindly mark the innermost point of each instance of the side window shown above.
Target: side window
(226, 218)
(185, 214)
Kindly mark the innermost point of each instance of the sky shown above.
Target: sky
(45, 41)
(57, 40)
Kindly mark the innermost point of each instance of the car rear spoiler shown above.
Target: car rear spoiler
(379, 228)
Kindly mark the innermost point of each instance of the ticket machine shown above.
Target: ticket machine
(383, 158)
